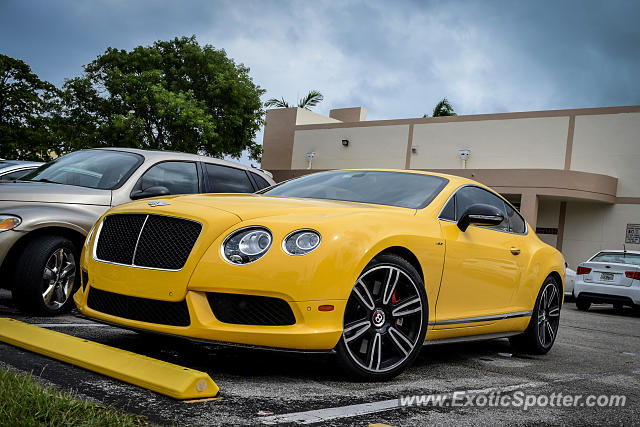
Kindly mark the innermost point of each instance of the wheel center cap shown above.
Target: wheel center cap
(378, 318)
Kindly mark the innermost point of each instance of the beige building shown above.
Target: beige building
(574, 174)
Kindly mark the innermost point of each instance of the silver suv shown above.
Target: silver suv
(46, 215)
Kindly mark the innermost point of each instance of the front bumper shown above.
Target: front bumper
(7, 240)
(313, 330)
(600, 292)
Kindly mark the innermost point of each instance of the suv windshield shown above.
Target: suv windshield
(406, 190)
(617, 258)
(101, 169)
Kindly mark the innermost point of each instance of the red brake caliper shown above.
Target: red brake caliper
(395, 300)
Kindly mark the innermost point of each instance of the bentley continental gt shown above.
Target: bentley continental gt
(369, 264)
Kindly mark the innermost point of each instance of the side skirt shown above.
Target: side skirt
(469, 338)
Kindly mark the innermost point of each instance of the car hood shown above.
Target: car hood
(45, 192)
(251, 206)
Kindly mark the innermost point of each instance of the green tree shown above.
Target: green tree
(173, 95)
(443, 108)
(26, 105)
(311, 99)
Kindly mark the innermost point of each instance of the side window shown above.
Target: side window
(11, 176)
(516, 222)
(225, 179)
(178, 177)
(262, 183)
(449, 211)
(468, 196)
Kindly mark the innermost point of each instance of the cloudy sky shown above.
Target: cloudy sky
(397, 58)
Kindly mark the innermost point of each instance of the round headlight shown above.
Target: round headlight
(246, 245)
(301, 242)
(9, 222)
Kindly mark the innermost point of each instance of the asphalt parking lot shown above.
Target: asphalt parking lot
(596, 353)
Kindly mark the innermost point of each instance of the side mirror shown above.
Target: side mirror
(149, 192)
(480, 214)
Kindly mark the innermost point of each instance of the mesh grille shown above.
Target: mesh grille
(156, 241)
(141, 309)
(250, 310)
(118, 237)
(166, 242)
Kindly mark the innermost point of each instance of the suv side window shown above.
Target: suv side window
(178, 177)
(225, 179)
(260, 181)
(468, 196)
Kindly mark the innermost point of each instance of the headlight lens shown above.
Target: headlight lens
(301, 242)
(246, 245)
(9, 222)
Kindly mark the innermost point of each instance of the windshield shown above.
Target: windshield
(406, 190)
(101, 169)
(617, 258)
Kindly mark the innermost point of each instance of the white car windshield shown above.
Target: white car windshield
(617, 258)
(101, 169)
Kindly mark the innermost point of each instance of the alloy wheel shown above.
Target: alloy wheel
(58, 278)
(548, 315)
(383, 319)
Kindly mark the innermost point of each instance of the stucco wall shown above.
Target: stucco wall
(590, 227)
(494, 144)
(609, 144)
(369, 147)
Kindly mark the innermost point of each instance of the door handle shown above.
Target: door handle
(515, 251)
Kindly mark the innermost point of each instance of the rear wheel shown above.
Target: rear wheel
(582, 304)
(385, 320)
(46, 275)
(541, 333)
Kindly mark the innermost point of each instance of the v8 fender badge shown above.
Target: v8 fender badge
(154, 204)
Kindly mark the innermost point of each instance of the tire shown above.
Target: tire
(542, 330)
(385, 320)
(582, 304)
(46, 263)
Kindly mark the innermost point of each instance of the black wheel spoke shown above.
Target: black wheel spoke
(383, 320)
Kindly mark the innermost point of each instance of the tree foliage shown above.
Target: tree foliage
(443, 108)
(27, 104)
(173, 95)
(311, 99)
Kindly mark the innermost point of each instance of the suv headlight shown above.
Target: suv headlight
(9, 222)
(246, 245)
(301, 242)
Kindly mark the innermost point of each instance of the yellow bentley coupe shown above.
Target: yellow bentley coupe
(369, 264)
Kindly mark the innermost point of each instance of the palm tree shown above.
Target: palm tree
(443, 108)
(312, 99)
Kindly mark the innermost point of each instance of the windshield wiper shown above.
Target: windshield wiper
(44, 180)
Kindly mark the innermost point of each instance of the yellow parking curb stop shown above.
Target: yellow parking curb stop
(153, 374)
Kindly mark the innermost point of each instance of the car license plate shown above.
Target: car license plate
(606, 276)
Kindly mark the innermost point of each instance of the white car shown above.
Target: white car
(609, 277)
(569, 281)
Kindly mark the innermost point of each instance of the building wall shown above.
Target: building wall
(548, 217)
(609, 144)
(369, 147)
(494, 144)
(591, 227)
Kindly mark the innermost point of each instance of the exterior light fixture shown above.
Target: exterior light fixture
(464, 155)
(310, 156)
(345, 142)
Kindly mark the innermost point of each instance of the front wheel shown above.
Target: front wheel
(385, 320)
(46, 275)
(541, 333)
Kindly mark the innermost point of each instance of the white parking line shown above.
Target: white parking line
(320, 415)
(72, 325)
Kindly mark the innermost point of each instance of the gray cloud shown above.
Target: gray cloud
(396, 58)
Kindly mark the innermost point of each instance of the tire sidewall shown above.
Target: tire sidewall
(28, 289)
(356, 371)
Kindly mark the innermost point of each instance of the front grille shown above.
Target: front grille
(141, 309)
(84, 276)
(154, 241)
(250, 309)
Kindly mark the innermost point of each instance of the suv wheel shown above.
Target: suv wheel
(46, 275)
